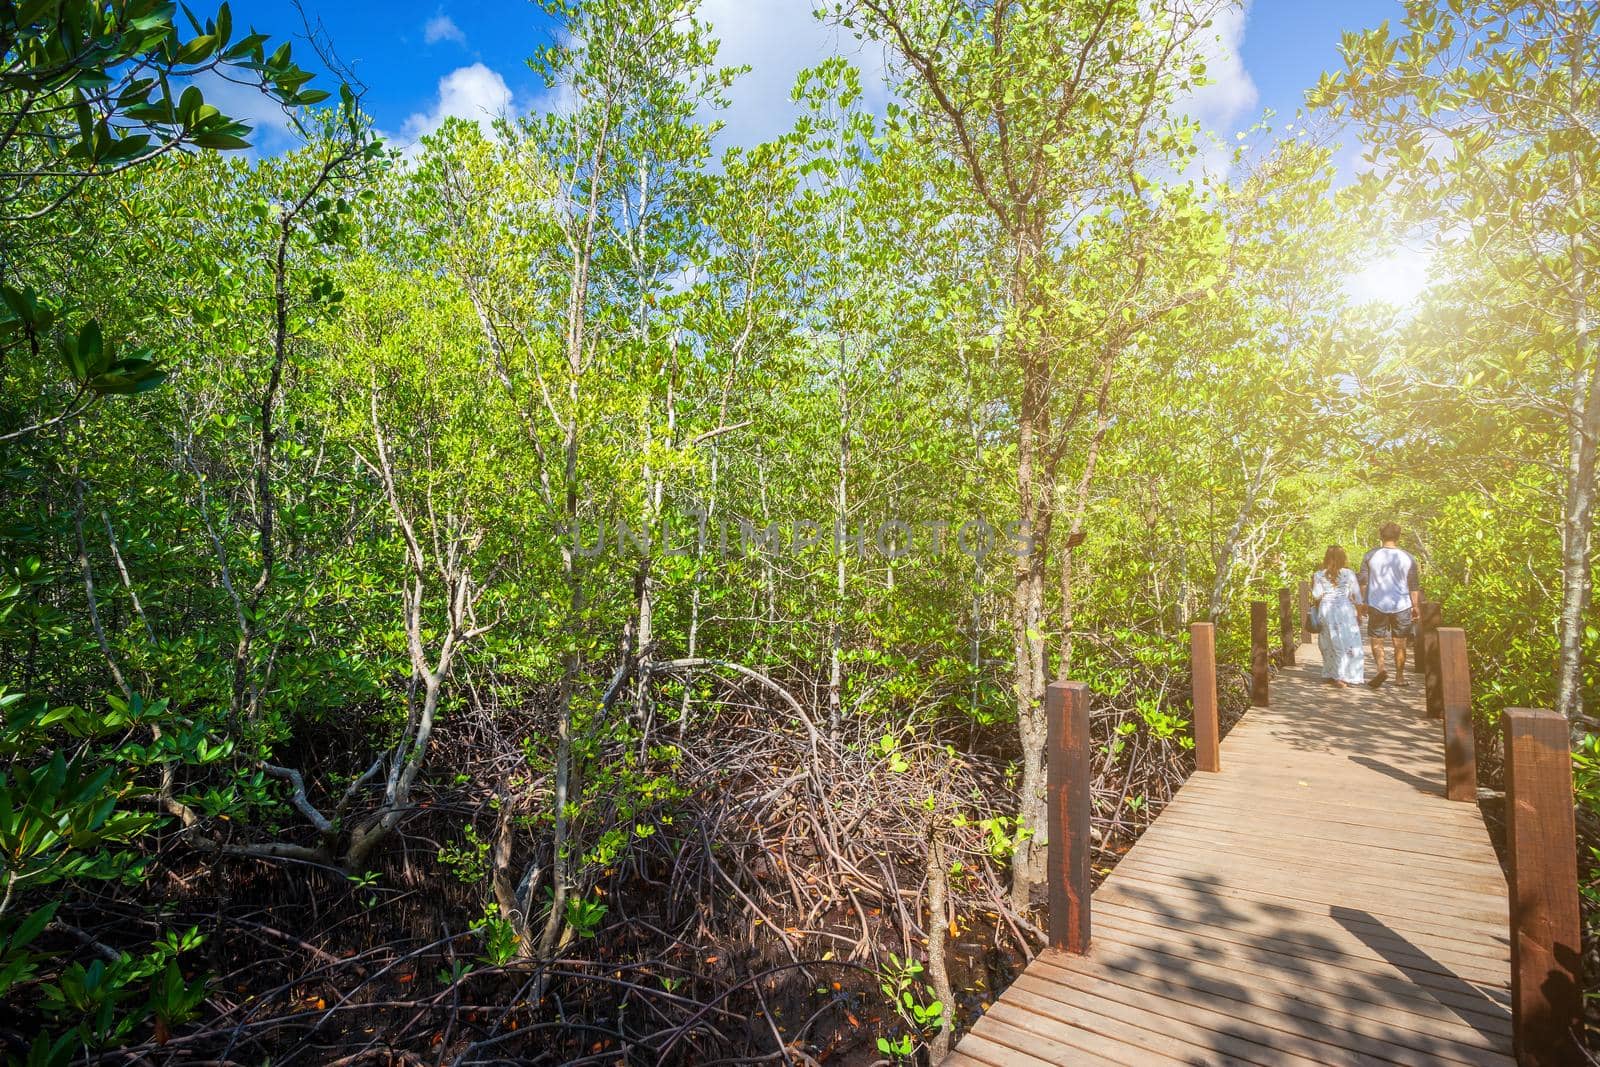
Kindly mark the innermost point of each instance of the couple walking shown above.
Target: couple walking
(1385, 592)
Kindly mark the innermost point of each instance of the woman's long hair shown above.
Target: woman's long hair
(1334, 561)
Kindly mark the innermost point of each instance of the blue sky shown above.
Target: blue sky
(422, 59)
(1288, 43)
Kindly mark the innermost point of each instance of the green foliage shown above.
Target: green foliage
(89, 90)
(62, 820)
(103, 999)
(501, 943)
(86, 87)
(60, 814)
(1586, 792)
(1002, 833)
(468, 861)
(583, 916)
(913, 1001)
(1495, 558)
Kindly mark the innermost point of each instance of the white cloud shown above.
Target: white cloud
(777, 39)
(443, 28)
(1231, 92)
(475, 93)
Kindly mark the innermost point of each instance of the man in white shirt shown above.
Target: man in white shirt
(1389, 586)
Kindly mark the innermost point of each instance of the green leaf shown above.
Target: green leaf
(189, 103)
(220, 141)
(32, 926)
(197, 49)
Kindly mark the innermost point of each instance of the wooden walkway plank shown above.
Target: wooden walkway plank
(1057, 989)
(1370, 932)
(1446, 885)
(975, 1048)
(1274, 1024)
(1220, 802)
(1468, 904)
(1287, 853)
(1316, 901)
(1067, 1038)
(1382, 906)
(1296, 977)
(1370, 943)
(1408, 962)
(1231, 980)
(1292, 849)
(1126, 1040)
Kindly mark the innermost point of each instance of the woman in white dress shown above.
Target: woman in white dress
(1337, 596)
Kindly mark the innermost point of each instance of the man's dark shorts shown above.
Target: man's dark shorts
(1389, 623)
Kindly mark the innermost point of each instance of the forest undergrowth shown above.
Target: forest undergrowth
(751, 907)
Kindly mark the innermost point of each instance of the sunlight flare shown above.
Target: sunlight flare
(1396, 278)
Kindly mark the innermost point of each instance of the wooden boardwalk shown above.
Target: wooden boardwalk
(1317, 902)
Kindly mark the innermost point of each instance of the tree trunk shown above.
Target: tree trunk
(938, 967)
(841, 517)
(652, 528)
(1068, 611)
(571, 665)
(1230, 545)
(1027, 607)
(408, 758)
(245, 696)
(1577, 527)
(1075, 536)
(1036, 499)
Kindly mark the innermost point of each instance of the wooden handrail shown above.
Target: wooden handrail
(1460, 758)
(1203, 674)
(1260, 657)
(1068, 778)
(1546, 946)
(1287, 627)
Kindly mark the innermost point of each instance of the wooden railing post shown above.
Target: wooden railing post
(1546, 950)
(1203, 671)
(1460, 760)
(1428, 620)
(1287, 627)
(1260, 658)
(1068, 779)
(1305, 613)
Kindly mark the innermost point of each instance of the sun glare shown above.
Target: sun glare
(1397, 278)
